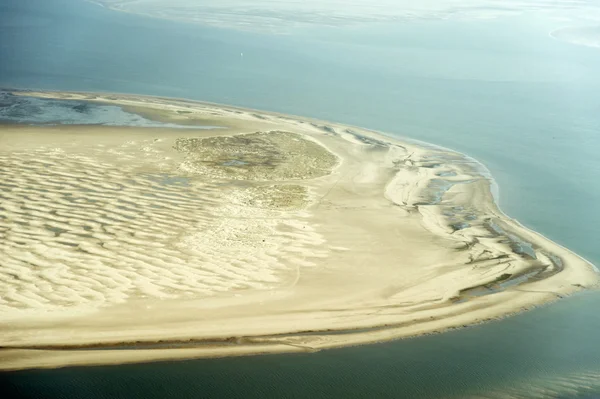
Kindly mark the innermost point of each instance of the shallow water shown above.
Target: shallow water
(501, 91)
(37, 111)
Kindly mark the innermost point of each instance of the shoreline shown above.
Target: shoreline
(416, 205)
(482, 169)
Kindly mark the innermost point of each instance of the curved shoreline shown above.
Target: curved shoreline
(468, 188)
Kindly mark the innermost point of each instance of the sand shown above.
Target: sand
(272, 233)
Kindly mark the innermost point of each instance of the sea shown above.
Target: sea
(500, 90)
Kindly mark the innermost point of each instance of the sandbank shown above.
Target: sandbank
(270, 233)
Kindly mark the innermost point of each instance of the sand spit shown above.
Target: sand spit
(272, 234)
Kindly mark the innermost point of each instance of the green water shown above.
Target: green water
(499, 90)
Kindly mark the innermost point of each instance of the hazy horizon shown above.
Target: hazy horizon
(284, 16)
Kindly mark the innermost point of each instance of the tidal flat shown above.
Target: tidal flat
(267, 233)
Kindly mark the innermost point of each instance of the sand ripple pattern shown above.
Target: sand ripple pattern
(78, 232)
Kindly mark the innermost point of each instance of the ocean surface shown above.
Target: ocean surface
(500, 90)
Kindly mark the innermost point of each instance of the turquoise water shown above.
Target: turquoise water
(500, 90)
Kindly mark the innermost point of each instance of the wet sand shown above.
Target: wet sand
(272, 233)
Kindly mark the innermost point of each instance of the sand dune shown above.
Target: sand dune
(271, 233)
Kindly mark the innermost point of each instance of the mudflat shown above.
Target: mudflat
(268, 233)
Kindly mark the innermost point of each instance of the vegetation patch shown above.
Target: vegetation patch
(285, 197)
(261, 156)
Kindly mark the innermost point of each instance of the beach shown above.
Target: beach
(268, 233)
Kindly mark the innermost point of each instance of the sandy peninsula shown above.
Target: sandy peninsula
(268, 233)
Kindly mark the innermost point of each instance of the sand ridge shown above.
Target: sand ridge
(272, 233)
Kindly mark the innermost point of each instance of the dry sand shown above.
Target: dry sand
(272, 234)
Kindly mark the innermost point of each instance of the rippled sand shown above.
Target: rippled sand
(270, 233)
(94, 224)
